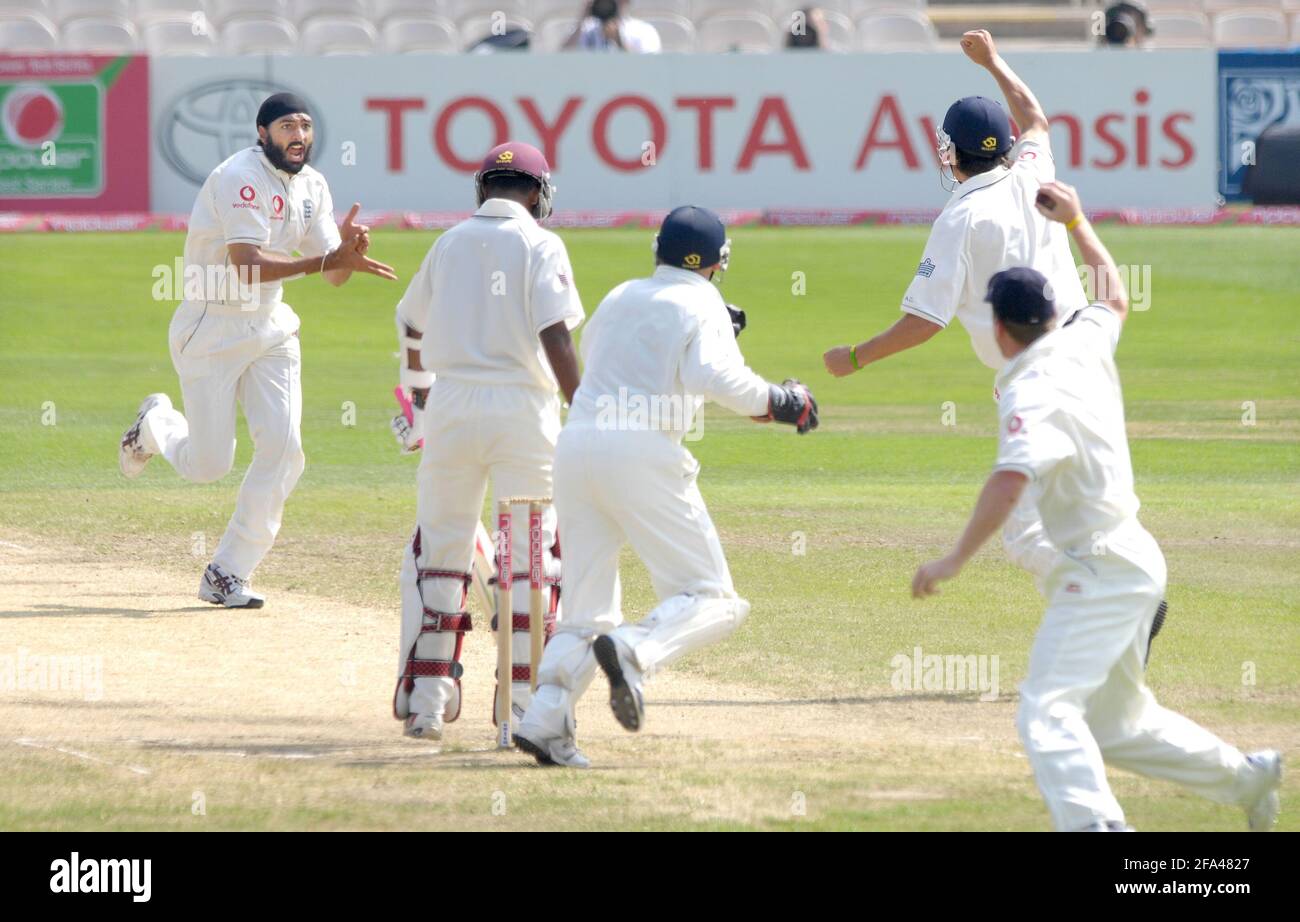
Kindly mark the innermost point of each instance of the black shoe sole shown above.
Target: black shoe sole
(537, 752)
(1156, 624)
(622, 700)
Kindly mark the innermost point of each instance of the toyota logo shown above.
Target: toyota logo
(206, 124)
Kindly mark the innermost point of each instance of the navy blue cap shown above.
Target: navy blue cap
(691, 238)
(1021, 295)
(978, 126)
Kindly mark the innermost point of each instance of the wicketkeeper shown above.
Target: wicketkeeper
(1061, 441)
(484, 330)
(654, 351)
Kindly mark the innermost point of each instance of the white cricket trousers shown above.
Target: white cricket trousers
(225, 355)
(1085, 703)
(473, 433)
(639, 488)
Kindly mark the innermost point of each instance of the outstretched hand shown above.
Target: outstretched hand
(350, 228)
(351, 255)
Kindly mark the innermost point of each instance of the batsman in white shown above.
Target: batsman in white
(1061, 440)
(234, 340)
(654, 351)
(490, 312)
(989, 223)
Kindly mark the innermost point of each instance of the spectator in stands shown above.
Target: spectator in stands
(806, 29)
(1128, 25)
(605, 26)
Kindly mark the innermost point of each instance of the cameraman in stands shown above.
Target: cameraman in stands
(1128, 25)
(606, 27)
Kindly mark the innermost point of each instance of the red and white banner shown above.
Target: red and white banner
(796, 133)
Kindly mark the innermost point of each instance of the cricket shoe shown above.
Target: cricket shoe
(222, 588)
(1262, 810)
(625, 697)
(423, 727)
(557, 750)
(131, 453)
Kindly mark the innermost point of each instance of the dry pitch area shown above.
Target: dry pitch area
(209, 719)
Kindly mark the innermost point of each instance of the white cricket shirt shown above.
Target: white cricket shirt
(989, 224)
(486, 289)
(247, 200)
(655, 350)
(1061, 423)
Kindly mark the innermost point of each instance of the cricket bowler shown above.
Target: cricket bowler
(1061, 440)
(485, 332)
(234, 340)
(654, 351)
(989, 223)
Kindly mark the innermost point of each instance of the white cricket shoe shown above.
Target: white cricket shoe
(222, 588)
(131, 453)
(555, 750)
(1262, 810)
(625, 697)
(423, 727)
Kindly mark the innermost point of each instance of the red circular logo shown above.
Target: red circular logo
(247, 193)
(1029, 155)
(32, 115)
(277, 203)
(1016, 424)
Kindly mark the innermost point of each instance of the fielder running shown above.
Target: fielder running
(653, 352)
(989, 223)
(489, 312)
(233, 339)
(1061, 440)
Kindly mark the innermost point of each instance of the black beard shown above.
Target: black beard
(279, 158)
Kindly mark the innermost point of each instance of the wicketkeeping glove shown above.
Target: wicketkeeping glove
(737, 319)
(791, 402)
(407, 424)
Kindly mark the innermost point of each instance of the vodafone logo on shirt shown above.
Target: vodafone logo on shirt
(1015, 424)
(277, 207)
(248, 194)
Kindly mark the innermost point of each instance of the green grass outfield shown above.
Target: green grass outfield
(883, 485)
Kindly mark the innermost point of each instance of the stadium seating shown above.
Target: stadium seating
(324, 34)
(420, 34)
(99, 35)
(550, 34)
(1250, 29)
(178, 35)
(676, 32)
(259, 35)
(62, 11)
(27, 33)
(441, 26)
(896, 30)
(1180, 29)
(476, 28)
(221, 10)
(739, 30)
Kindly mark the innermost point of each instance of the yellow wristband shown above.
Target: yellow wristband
(1074, 222)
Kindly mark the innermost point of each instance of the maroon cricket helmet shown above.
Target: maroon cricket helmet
(521, 158)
